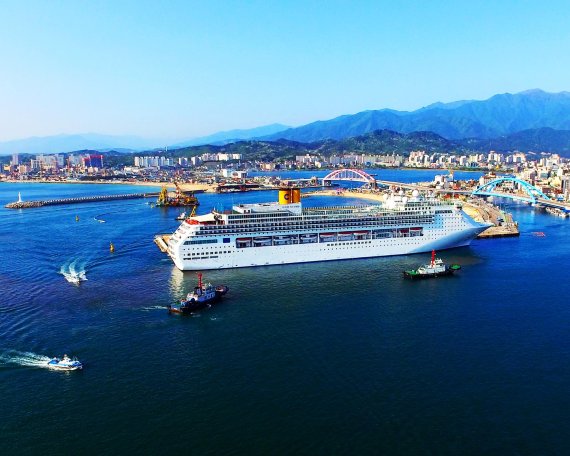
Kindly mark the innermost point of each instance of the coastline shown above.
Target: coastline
(185, 187)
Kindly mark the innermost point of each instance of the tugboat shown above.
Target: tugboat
(66, 363)
(436, 268)
(203, 295)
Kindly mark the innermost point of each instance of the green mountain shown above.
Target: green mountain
(376, 142)
(387, 141)
(535, 140)
(499, 115)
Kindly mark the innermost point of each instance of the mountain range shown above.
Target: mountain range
(93, 141)
(499, 115)
(387, 141)
(69, 143)
(530, 120)
(225, 137)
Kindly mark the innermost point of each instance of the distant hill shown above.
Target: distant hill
(536, 140)
(499, 115)
(68, 143)
(387, 141)
(381, 141)
(225, 137)
(376, 142)
(531, 120)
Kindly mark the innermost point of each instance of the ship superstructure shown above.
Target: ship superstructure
(285, 232)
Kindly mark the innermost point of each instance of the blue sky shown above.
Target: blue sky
(179, 69)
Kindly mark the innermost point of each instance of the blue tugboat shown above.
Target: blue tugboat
(203, 295)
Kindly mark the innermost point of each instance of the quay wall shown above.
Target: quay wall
(83, 199)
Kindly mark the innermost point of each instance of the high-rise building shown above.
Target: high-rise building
(93, 161)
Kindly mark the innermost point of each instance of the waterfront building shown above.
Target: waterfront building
(234, 174)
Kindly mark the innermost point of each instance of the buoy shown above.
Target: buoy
(111, 247)
(77, 218)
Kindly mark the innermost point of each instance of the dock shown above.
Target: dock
(84, 199)
(504, 225)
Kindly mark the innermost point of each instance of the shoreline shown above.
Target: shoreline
(184, 187)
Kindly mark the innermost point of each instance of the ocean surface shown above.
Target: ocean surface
(321, 358)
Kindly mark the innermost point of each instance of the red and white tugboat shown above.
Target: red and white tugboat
(203, 295)
(435, 268)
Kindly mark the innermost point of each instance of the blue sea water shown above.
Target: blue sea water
(320, 358)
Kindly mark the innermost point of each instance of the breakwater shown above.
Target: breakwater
(83, 199)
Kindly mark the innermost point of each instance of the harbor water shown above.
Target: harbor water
(318, 358)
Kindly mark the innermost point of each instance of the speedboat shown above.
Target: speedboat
(73, 278)
(65, 363)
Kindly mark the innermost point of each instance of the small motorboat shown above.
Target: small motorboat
(182, 216)
(435, 268)
(65, 363)
(202, 296)
(72, 278)
(75, 278)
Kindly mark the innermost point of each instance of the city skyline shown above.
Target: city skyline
(190, 69)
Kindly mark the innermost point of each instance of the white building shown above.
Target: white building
(233, 174)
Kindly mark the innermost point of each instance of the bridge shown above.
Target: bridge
(358, 175)
(527, 193)
(349, 174)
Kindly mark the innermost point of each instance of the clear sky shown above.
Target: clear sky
(179, 69)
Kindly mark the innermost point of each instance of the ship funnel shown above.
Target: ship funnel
(289, 195)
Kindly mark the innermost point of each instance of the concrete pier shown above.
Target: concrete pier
(85, 199)
(481, 211)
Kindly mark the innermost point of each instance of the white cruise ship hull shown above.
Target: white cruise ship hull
(266, 234)
(329, 251)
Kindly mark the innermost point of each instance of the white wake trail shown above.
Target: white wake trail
(27, 359)
(71, 274)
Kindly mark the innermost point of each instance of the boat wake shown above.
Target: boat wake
(146, 309)
(99, 217)
(73, 272)
(27, 359)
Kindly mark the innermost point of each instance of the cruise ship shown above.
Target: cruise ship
(286, 232)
